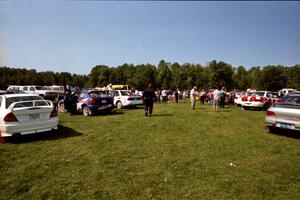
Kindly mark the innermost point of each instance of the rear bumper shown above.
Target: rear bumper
(133, 103)
(283, 124)
(101, 108)
(253, 104)
(10, 129)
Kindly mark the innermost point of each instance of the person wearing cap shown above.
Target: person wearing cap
(193, 97)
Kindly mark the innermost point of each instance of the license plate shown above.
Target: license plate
(104, 107)
(104, 101)
(34, 116)
(285, 126)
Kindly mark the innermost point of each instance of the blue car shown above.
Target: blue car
(88, 102)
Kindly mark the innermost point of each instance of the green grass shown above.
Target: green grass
(178, 153)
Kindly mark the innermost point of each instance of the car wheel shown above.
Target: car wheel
(86, 111)
(269, 129)
(266, 106)
(119, 105)
(245, 108)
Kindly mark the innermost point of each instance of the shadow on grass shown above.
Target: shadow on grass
(162, 115)
(61, 133)
(286, 133)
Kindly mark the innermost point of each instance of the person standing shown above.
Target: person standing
(149, 98)
(216, 98)
(193, 97)
(176, 96)
(222, 97)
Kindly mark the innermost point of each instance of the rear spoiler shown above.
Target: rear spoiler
(34, 104)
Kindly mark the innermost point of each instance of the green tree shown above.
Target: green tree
(273, 78)
(164, 77)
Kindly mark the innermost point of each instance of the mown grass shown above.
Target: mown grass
(178, 153)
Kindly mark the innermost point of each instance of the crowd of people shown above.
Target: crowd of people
(217, 98)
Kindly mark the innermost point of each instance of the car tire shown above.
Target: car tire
(266, 106)
(86, 111)
(269, 129)
(245, 108)
(119, 105)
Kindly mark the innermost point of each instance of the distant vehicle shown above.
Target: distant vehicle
(89, 102)
(121, 87)
(260, 100)
(238, 99)
(285, 115)
(124, 98)
(26, 114)
(285, 91)
(34, 89)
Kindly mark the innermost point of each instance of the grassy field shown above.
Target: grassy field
(178, 153)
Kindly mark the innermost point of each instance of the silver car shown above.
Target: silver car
(285, 115)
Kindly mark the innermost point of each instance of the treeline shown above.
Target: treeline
(166, 75)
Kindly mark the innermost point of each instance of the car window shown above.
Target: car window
(31, 88)
(98, 93)
(261, 94)
(125, 93)
(116, 93)
(0, 101)
(38, 87)
(25, 88)
(10, 100)
(293, 99)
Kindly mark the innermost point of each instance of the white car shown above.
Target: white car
(285, 115)
(123, 98)
(26, 114)
(260, 100)
(238, 99)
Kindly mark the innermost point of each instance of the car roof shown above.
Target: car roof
(18, 95)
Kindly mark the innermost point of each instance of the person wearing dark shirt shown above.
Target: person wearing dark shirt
(149, 98)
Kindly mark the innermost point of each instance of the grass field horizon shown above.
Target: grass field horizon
(178, 153)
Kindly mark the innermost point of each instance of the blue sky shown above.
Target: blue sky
(74, 36)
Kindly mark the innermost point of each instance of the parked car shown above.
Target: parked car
(123, 98)
(34, 89)
(285, 91)
(88, 102)
(26, 114)
(260, 100)
(238, 99)
(284, 115)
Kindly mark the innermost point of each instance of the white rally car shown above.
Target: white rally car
(26, 114)
(260, 100)
(123, 98)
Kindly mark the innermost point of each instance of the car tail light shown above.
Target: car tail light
(92, 101)
(263, 99)
(252, 98)
(10, 117)
(54, 113)
(270, 113)
(244, 98)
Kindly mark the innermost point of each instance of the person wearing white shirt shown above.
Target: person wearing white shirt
(193, 97)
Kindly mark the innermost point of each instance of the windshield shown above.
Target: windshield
(292, 99)
(125, 93)
(10, 100)
(261, 94)
(104, 93)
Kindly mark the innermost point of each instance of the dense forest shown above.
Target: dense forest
(166, 75)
